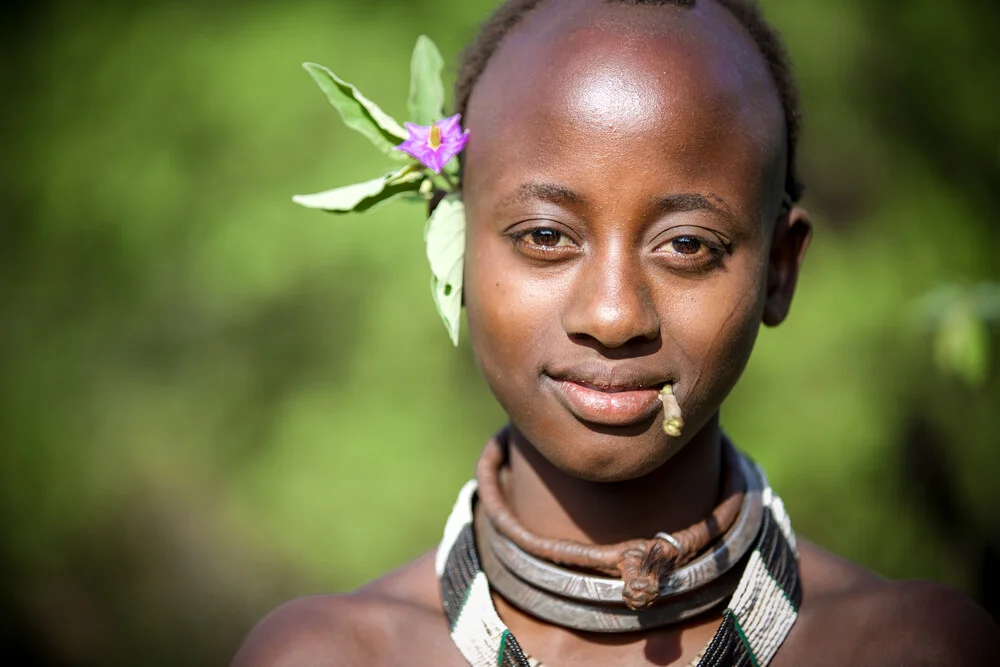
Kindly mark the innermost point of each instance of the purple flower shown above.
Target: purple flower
(435, 145)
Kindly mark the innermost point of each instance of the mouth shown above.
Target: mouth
(617, 388)
(617, 403)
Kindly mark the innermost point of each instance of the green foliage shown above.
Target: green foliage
(961, 346)
(959, 320)
(445, 231)
(445, 238)
(362, 197)
(426, 102)
(358, 112)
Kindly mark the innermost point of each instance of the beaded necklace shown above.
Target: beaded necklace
(756, 621)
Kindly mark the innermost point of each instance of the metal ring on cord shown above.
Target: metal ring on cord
(667, 537)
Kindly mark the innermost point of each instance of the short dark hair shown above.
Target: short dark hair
(747, 12)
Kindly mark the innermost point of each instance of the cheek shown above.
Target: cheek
(509, 314)
(714, 330)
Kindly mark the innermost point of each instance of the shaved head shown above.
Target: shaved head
(626, 72)
(736, 29)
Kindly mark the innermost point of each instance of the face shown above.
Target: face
(623, 187)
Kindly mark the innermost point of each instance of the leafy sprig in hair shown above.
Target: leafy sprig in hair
(428, 145)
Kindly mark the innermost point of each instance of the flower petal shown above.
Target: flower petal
(453, 140)
(455, 144)
(417, 132)
(450, 125)
(436, 160)
(417, 151)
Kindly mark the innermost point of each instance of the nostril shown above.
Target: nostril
(634, 347)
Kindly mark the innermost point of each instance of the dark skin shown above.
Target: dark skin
(625, 229)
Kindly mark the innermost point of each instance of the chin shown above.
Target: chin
(598, 453)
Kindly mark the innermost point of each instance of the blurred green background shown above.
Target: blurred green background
(212, 400)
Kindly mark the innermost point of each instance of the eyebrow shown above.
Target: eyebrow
(563, 196)
(690, 201)
(556, 194)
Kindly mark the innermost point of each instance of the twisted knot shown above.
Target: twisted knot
(641, 574)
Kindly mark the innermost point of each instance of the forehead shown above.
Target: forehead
(650, 86)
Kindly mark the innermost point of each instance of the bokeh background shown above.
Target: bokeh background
(212, 400)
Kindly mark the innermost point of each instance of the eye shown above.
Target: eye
(543, 243)
(546, 237)
(692, 252)
(686, 245)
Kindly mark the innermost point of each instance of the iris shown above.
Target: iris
(436, 144)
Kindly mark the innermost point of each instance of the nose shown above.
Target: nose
(611, 302)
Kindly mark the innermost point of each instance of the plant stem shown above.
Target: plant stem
(452, 185)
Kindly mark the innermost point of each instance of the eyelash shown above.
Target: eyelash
(520, 241)
(696, 261)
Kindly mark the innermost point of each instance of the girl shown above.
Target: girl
(630, 191)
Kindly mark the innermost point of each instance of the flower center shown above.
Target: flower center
(434, 139)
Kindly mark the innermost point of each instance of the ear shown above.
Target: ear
(792, 233)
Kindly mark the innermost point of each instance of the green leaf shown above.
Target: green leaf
(445, 237)
(362, 197)
(426, 102)
(962, 345)
(930, 309)
(987, 296)
(358, 112)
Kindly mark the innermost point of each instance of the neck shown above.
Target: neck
(554, 504)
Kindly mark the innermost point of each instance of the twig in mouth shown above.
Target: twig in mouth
(673, 422)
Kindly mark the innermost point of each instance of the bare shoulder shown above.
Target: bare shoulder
(849, 615)
(395, 620)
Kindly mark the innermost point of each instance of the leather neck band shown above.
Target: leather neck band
(641, 563)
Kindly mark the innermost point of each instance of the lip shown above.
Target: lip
(607, 405)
